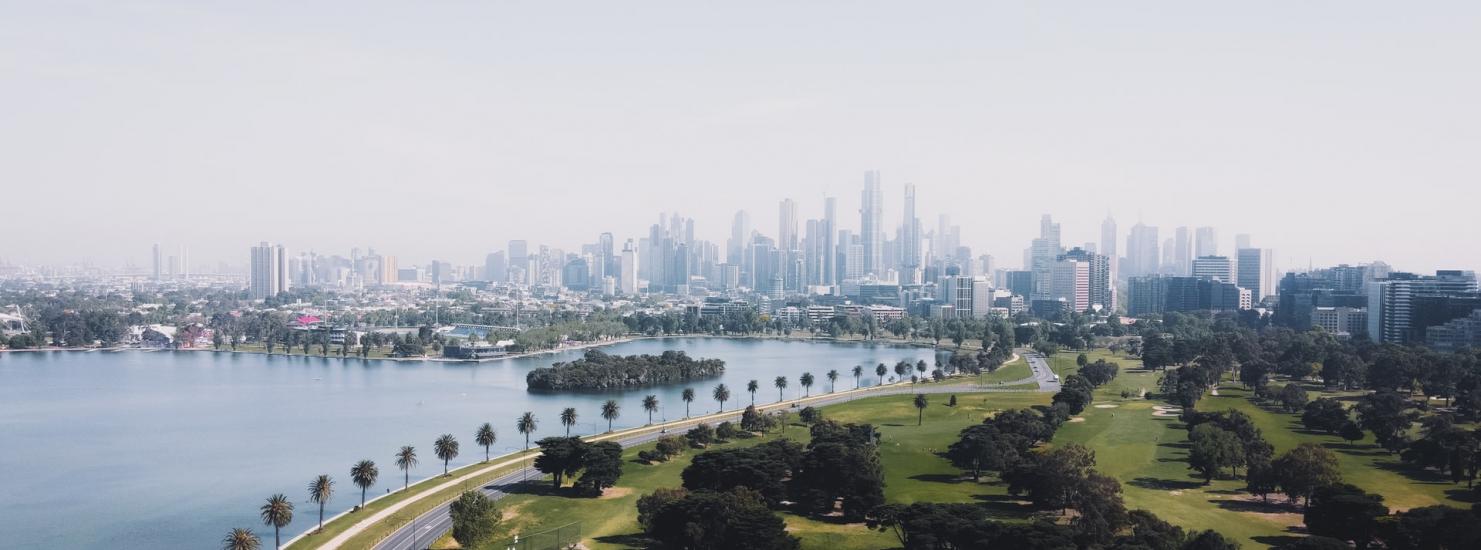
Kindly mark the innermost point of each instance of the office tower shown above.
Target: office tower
(787, 243)
(1070, 283)
(829, 246)
(390, 272)
(605, 264)
(1216, 268)
(184, 262)
(1254, 273)
(871, 222)
(1170, 257)
(1182, 252)
(269, 270)
(629, 268)
(910, 237)
(987, 266)
(1108, 241)
(850, 256)
(519, 262)
(1206, 242)
(1146, 295)
(1241, 240)
(740, 237)
(1020, 283)
(1402, 306)
(1042, 254)
(1100, 288)
(496, 267)
(158, 263)
(1141, 251)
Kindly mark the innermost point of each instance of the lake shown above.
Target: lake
(173, 449)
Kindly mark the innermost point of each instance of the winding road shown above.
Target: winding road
(426, 528)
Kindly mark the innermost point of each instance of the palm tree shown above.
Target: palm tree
(405, 459)
(526, 425)
(446, 448)
(832, 380)
(568, 419)
(858, 371)
(781, 384)
(320, 489)
(806, 381)
(650, 404)
(880, 372)
(688, 397)
(609, 412)
(241, 539)
(722, 394)
(920, 366)
(752, 386)
(278, 512)
(920, 407)
(364, 474)
(486, 437)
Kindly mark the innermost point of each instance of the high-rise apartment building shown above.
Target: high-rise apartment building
(910, 236)
(1402, 306)
(629, 280)
(1182, 255)
(1070, 283)
(159, 263)
(1109, 237)
(1101, 287)
(269, 270)
(871, 223)
(829, 246)
(1042, 254)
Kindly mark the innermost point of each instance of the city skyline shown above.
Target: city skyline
(141, 112)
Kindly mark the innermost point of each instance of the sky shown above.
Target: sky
(1331, 131)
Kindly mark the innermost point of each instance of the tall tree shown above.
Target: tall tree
(858, 372)
(241, 539)
(752, 386)
(806, 380)
(688, 396)
(781, 384)
(486, 437)
(446, 448)
(474, 518)
(526, 425)
(364, 473)
(721, 394)
(278, 512)
(832, 380)
(320, 489)
(881, 370)
(568, 419)
(650, 405)
(406, 458)
(610, 411)
(920, 408)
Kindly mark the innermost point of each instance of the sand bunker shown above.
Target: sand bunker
(1166, 411)
(615, 492)
(1077, 419)
(1106, 406)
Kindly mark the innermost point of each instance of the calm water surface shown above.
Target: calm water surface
(172, 450)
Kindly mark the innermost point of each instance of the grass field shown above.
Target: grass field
(1145, 451)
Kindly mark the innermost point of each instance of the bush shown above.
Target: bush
(810, 415)
(672, 445)
(475, 517)
(726, 431)
(700, 436)
(951, 402)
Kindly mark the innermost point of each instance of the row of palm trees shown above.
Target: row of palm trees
(278, 511)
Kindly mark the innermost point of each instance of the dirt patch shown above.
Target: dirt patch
(615, 492)
(512, 512)
(1166, 411)
(1077, 419)
(1106, 406)
(1175, 493)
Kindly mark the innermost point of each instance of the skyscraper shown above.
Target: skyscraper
(1217, 268)
(1141, 251)
(1070, 282)
(159, 263)
(787, 243)
(496, 267)
(1182, 255)
(1108, 241)
(1100, 289)
(1206, 242)
(269, 270)
(1042, 254)
(1255, 272)
(910, 252)
(871, 222)
(629, 268)
(740, 237)
(829, 229)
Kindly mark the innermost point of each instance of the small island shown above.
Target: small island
(600, 371)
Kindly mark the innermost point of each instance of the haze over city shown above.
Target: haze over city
(443, 132)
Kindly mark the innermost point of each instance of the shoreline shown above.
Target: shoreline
(521, 355)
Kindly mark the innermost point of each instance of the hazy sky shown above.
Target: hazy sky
(1337, 131)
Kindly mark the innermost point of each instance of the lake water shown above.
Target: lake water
(171, 450)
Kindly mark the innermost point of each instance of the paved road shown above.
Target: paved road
(422, 532)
